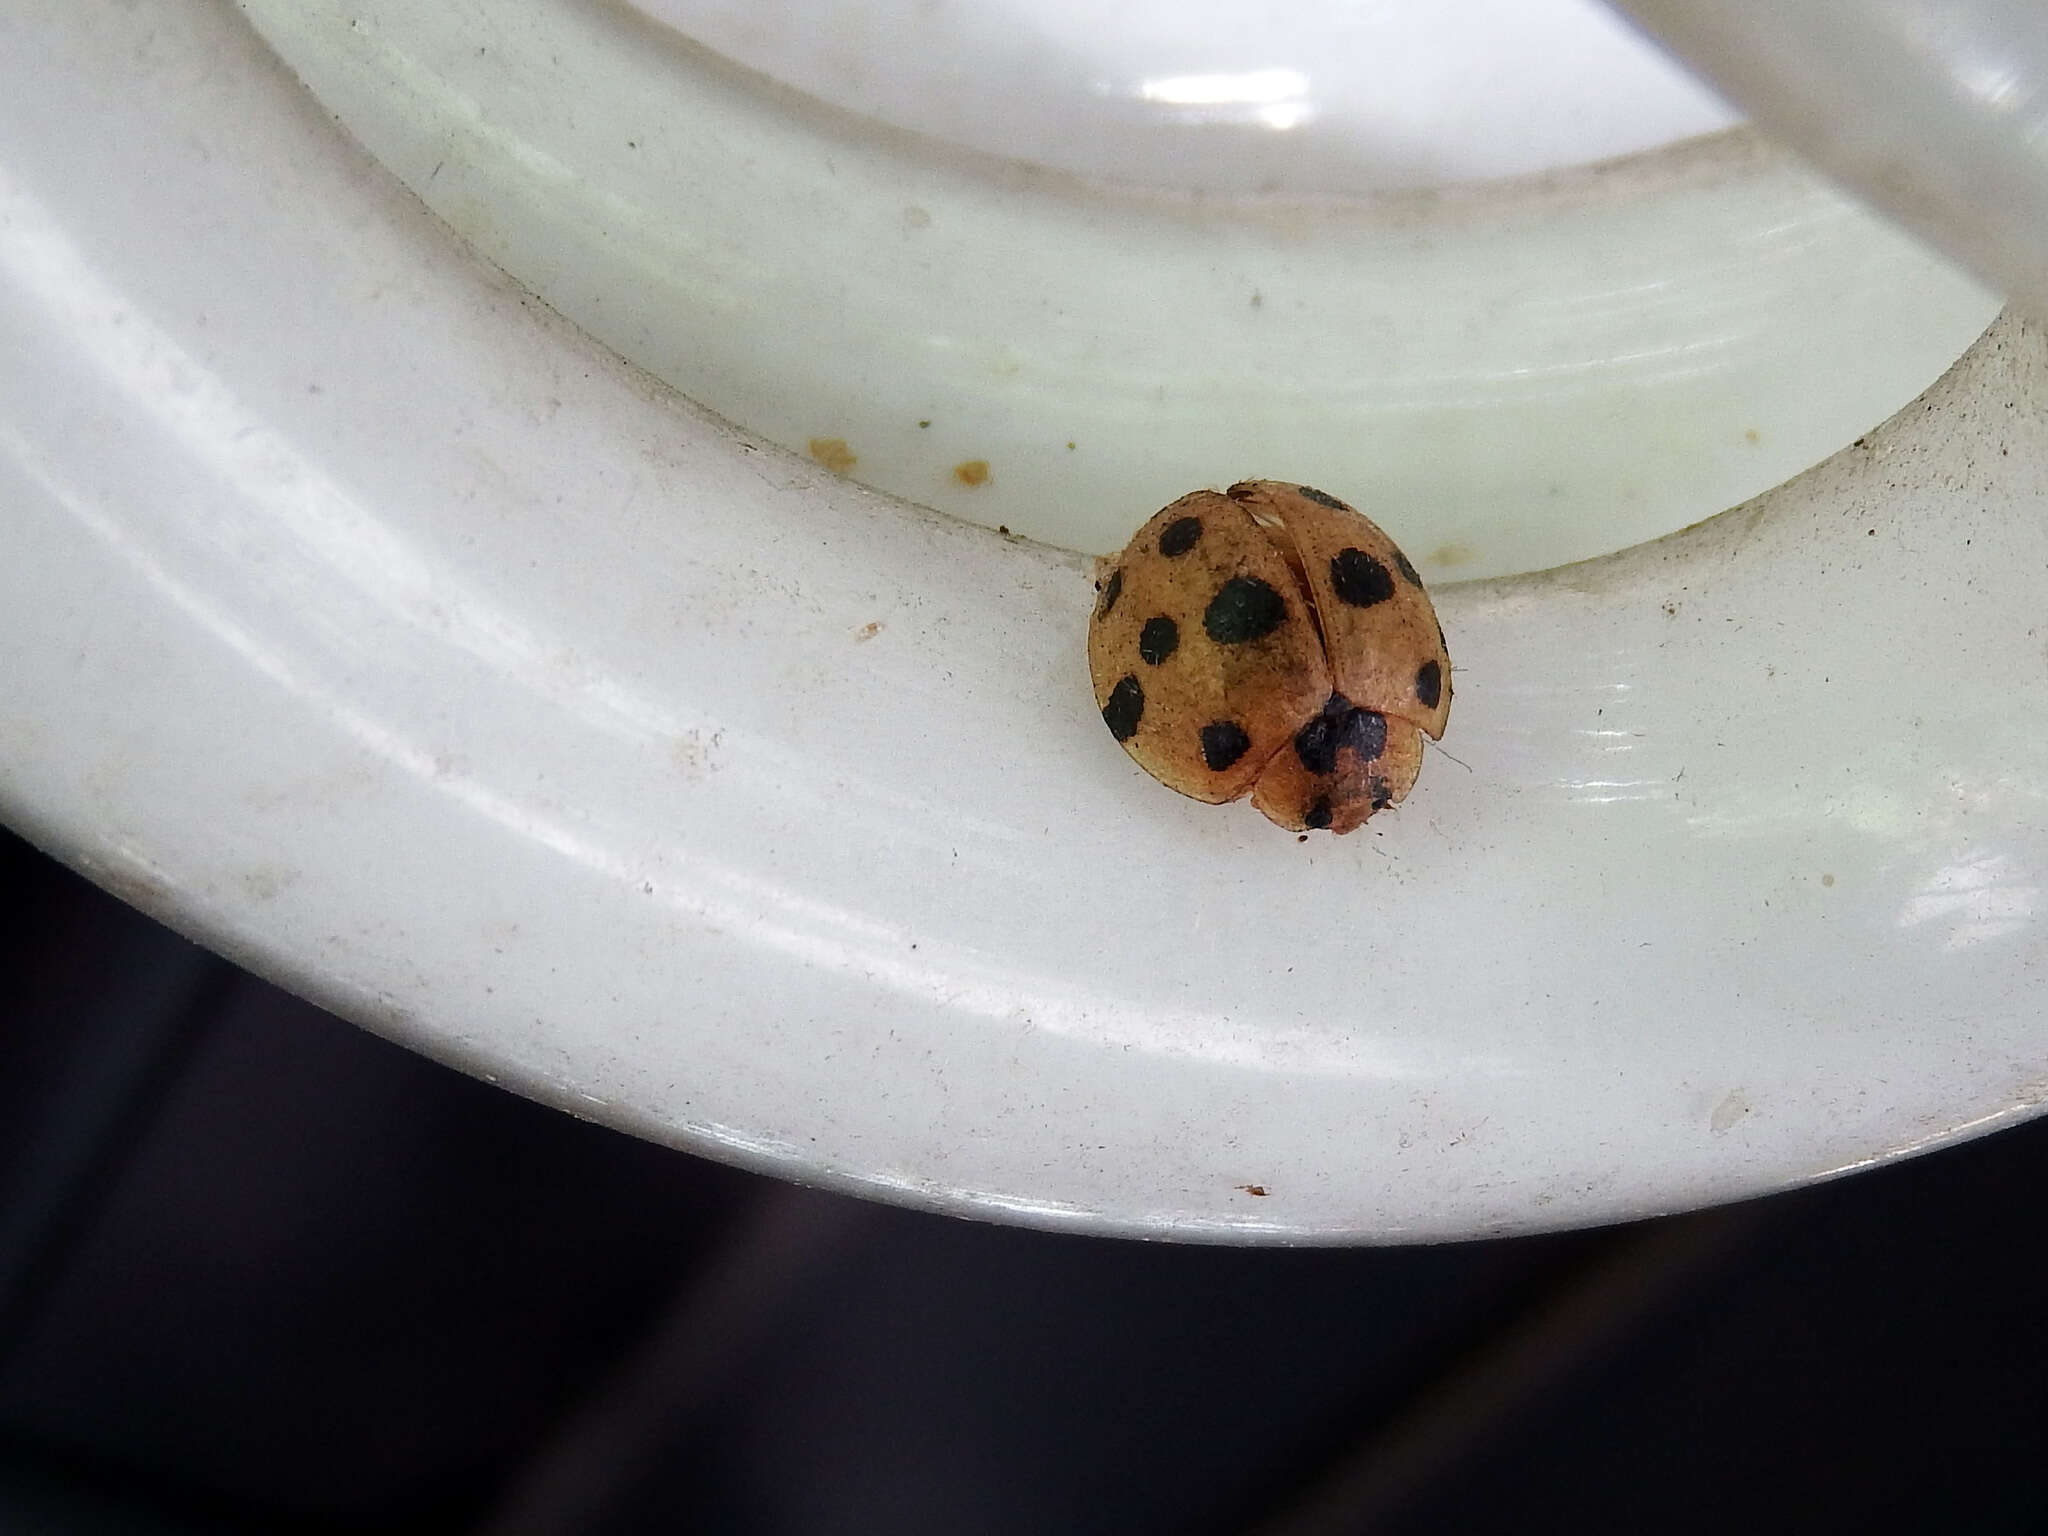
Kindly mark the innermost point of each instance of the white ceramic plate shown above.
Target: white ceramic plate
(367, 621)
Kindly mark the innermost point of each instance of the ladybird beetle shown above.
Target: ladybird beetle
(1270, 638)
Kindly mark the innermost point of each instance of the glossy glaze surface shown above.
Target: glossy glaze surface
(1934, 111)
(1215, 96)
(367, 620)
(1527, 374)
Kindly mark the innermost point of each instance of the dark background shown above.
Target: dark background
(261, 1271)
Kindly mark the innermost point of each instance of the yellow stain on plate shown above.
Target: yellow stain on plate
(833, 453)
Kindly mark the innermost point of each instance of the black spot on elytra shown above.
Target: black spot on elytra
(1158, 639)
(1223, 743)
(1126, 707)
(1409, 571)
(1244, 608)
(1180, 537)
(1318, 816)
(1322, 498)
(1340, 725)
(1365, 733)
(1429, 684)
(1111, 593)
(1316, 743)
(1359, 579)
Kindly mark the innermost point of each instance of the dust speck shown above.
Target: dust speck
(695, 753)
(1254, 1189)
(971, 472)
(1452, 555)
(1752, 436)
(915, 217)
(265, 882)
(867, 631)
(1827, 879)
(1728, 1111)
